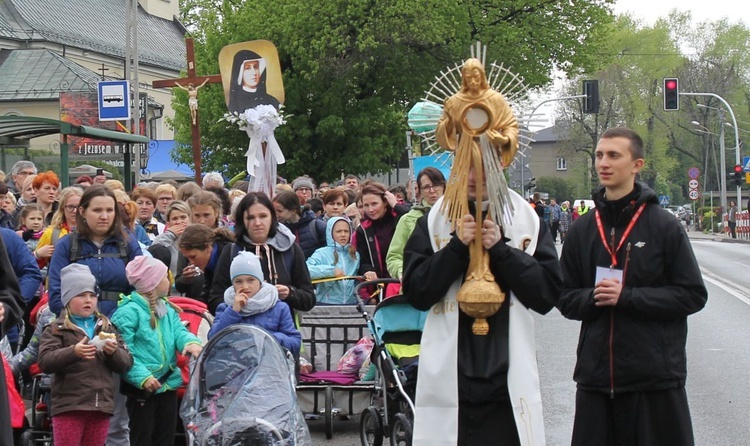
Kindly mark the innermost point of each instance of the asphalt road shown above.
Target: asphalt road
(718, 359)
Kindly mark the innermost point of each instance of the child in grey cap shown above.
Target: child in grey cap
(251, 301)
(83, 386)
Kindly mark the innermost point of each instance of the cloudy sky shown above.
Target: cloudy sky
(650, 10)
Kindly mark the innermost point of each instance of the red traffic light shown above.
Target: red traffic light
(738, 169)
(671, 94)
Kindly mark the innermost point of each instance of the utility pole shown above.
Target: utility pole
(131, 75)
(723, 170)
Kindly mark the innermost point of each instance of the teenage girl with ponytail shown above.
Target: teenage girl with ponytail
(152, 329)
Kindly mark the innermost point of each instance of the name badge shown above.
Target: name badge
(607, 273)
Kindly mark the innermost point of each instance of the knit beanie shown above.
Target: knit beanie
(76, 279)
(145, 273)
(246, 263)
(302, 182)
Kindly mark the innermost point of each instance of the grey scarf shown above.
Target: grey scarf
(264, 300)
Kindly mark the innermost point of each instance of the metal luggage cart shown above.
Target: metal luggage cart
(328, 331)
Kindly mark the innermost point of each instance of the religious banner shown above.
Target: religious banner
(254, 93)
(251, 75)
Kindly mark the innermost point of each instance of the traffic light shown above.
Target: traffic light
(739, 175)
(671, 94)
(591, 101)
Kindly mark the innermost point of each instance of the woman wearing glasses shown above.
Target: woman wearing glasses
(431, 183)
(63, 221)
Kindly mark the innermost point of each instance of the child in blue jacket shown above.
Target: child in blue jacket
(339, 258)
(251, 301)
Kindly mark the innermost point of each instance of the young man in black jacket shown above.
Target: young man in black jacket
(631, 277)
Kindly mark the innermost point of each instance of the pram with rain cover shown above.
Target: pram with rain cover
(242, 392)
(396, 328)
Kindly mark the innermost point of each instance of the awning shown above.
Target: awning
(15, 131)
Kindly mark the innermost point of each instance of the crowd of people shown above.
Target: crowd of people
(106, 261)
(558, 216)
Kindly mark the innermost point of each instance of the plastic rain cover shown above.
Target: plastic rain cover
(242, 392)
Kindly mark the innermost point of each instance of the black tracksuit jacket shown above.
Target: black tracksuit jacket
(639, 344)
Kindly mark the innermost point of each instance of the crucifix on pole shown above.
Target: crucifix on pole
(191, 84)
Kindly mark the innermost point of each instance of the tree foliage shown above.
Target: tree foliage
(556, 187)
(353, 69)
(707, 57)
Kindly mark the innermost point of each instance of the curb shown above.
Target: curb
(716, 238)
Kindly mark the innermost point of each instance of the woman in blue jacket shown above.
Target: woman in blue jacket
(339, 258)
(100, 242)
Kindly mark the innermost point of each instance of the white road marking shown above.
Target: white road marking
(730, 287)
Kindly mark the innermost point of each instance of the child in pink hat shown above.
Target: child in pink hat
(151, 327)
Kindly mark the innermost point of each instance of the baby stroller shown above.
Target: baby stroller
(39, 431)
(396, 328)
(241, 392)
(198, 320)
(38, 422)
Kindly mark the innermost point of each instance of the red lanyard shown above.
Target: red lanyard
(624, 234)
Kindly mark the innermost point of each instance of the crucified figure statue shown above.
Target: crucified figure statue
(192, 99)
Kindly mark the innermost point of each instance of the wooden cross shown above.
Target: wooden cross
(102, 69)
(197, 81)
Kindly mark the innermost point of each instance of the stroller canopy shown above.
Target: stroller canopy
(242, 392)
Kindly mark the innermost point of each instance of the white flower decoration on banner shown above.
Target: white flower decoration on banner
(259, 123)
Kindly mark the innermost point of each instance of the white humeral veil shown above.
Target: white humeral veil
(436, 418)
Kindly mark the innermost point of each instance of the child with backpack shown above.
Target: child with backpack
(250, 300)
(339, 258)
(82, 349)
(151, 327)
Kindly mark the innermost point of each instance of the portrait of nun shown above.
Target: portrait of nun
(248, 88)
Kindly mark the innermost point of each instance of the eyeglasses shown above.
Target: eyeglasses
(25, 173)
(165, 199)
(304, 189)
(71, 208)
(431, 187)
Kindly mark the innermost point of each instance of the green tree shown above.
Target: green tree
(556, 188)
(706, 56)
(352, 69)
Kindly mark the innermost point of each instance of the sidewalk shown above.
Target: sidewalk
(697, 235)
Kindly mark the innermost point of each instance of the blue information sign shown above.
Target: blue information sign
(114, 100)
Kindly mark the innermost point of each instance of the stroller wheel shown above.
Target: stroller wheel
(401, 431)
(329, 413)
(371, 428)
(27, 438)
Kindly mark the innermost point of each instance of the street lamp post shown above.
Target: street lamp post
(722, 159)
(736, 132)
